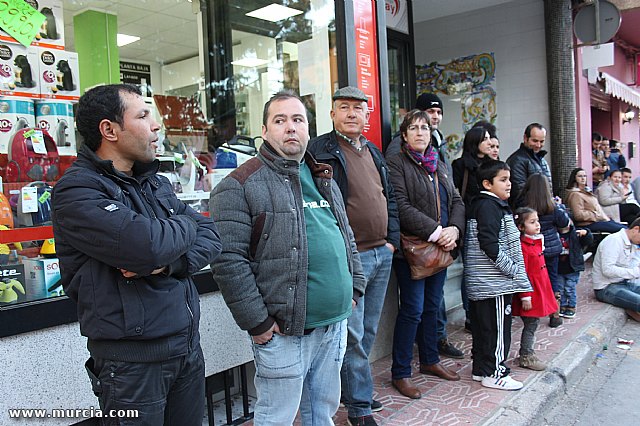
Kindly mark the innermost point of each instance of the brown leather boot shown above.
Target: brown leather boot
(440, 371)
(407, 388)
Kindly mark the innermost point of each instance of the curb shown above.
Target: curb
(565, 370)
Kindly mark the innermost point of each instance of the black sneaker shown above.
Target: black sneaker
(362, 421)
(376, 406)
(447, 349)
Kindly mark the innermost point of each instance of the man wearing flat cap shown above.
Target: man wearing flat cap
(361, 173)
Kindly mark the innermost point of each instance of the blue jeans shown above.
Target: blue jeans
(625, 294)
(568, 283)
(420, 301)
(552, 270)
(357, 384)
(441, 324)
(605, 226)
(300, 371)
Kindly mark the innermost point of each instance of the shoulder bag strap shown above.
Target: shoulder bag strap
(437, 188)
(465, 181)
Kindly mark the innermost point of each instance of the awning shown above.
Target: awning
(619, 90)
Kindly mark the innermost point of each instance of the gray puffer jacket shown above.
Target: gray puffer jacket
(262, 271)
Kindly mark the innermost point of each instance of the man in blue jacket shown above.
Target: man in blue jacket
(127, 249)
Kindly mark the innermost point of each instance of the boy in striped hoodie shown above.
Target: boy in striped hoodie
(494, 271)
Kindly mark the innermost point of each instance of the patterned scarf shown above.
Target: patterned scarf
(428, 161)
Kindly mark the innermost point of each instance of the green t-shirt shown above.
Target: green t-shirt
(329, 282)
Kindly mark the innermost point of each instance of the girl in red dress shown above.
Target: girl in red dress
(541, 302)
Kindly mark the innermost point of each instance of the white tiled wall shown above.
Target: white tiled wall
(514, 32)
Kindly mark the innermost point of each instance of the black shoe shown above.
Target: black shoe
(362, 421)
(555, 321)
(376, 406)
(447, 349)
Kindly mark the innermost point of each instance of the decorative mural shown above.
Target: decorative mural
(468, 81)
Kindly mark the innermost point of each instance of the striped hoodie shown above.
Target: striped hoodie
(493, 262)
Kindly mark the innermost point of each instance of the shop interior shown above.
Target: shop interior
(163, 46)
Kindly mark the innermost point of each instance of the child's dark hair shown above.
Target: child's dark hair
(490, 169)
(521, 216)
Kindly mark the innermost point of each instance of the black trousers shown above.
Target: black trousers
(491, 332)
(161, 393)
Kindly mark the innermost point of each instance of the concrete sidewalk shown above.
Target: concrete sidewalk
(568, 350)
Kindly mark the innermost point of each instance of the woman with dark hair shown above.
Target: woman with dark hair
(430, 208)
(493, 133)
(553, 218)
(584, 206)
(476, 148)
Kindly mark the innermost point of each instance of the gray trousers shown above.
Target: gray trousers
(528, 335)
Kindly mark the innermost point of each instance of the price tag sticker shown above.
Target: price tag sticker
(37, 140)
(29, 195)
(20, 20)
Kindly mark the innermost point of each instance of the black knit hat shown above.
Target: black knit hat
(428, 100)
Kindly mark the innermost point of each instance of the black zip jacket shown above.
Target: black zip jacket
(104, 221)
(325, 149)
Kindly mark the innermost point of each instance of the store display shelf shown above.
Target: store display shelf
(26, 234)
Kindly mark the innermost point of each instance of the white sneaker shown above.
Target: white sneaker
(477, 378)
(503, 383)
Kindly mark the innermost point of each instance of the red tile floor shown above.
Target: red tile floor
(466, 401)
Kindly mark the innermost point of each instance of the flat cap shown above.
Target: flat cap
(350, 92)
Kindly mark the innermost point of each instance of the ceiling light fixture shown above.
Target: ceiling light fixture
(250, 62)
(123, 39)
(628, 115)
(274, 13)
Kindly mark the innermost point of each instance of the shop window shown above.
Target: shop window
(39, 88)
(275, 45)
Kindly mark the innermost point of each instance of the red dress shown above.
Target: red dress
(543, 302)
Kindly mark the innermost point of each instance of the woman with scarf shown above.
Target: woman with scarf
(430, 208)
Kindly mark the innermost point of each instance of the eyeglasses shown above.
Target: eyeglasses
(415, 127)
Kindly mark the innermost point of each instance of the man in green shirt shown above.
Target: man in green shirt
(289, 270)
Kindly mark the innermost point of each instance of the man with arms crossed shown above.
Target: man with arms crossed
(127, 249)
(289, 271)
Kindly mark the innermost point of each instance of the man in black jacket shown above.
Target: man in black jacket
(127, 249)
(362, 176)
(528, 160)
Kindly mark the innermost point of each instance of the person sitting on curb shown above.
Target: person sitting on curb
(616, 269)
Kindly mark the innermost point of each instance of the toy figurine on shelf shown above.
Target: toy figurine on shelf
(7, 292)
